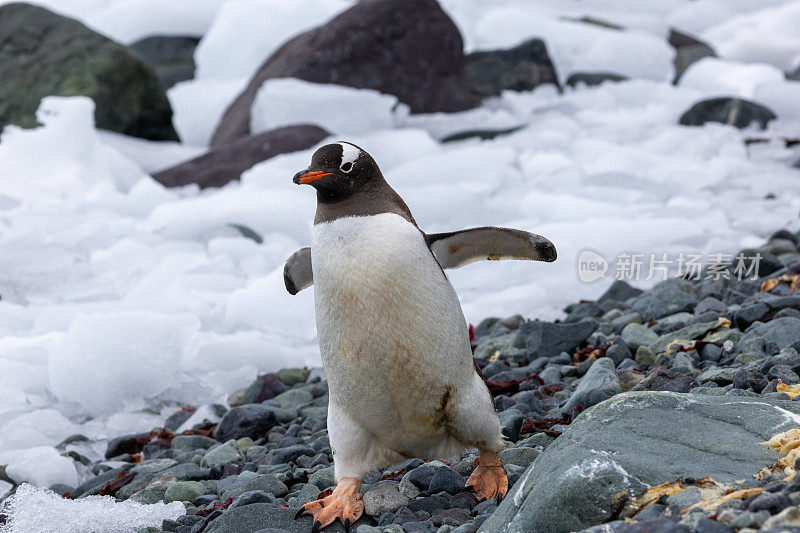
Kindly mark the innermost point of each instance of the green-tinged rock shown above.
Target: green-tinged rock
(636, 335)
(188, 443)
(599, 383)
(293, 398)
(518, 456)
(258, 516)
(43, 54)
(244, 444)
(720, 376)
(645, 356)
(783, 331)
(222, 454)
(323, 478)
(723, 335)
(688, 333)
(184, 491)
(636, 440)
(250, 481)
(293, 376)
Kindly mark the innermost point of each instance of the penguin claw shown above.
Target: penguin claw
(347, 524)
(299, 512)
(315, 528)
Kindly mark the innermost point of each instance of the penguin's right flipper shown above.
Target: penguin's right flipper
(458, 248)
(297, 274)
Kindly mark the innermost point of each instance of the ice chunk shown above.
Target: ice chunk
(106, 359)
(198, 104)
(43, 511)
(338, 109)
(245, 33)
(41, 465)
(720, 77)
(766, 36)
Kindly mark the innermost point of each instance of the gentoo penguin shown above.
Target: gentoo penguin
(393, 339)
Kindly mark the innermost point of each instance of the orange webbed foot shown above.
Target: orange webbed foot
(343, 503)
(489, 479)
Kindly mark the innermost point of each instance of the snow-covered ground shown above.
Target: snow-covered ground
(120, 299)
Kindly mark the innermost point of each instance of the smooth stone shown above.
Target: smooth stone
(599, 384)
(384, 497)
(222, 454)
(184, 491)
(636, 335)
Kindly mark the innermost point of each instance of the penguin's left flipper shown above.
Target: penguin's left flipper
(458, 248)
(297, 274)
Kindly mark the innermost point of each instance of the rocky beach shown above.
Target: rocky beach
(155, 375)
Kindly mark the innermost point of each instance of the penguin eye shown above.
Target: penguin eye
(347, 167)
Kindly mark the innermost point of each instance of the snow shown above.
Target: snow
(258, 27)
(121, 300)
(347, 111)
(41, 465)
(43, 511)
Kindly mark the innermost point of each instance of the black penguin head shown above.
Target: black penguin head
(338, 171)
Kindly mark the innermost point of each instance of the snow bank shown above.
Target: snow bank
(41, 465)
(335, 108)
(35, 509)
(256, 28)
(197, 106)
(766, 36)
(107, 359)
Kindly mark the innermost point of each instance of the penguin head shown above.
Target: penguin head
(338, 171)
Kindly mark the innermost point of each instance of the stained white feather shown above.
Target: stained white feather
(395, 347)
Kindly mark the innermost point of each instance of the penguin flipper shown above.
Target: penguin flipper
(458, 248)
(297, 274)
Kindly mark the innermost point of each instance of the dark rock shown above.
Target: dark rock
(688, 50)
(171, 57)
(452, 517)
(747, 315)
(710, 304)
(749, 378)
(682, 384)
(734, 111)
(599, 383)
(421, 476)
(127, 444)
(706, 525)
(593, 78)
(289, 454)
(770, 502)
(264, 388)
(511, 421)
(783, 331)
(252, 421)
(521, 68)
(224, 164)
(659, 525)
(783, 373)
(445, 479)
(258, 516)
(430, 504)
(767, 263)
(176, 419)
(609, 449)
(666, 298)
(408, 48)
(44, 54)
(619, 291)
(549, 339)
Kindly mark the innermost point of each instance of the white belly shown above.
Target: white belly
(392, 334)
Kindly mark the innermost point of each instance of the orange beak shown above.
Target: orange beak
(309, 177)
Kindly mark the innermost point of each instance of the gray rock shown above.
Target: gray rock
(667, 298)
(599, 383)
(384, 497)
(293, 398)
(70, 60)
(252, 420)
(323, 478)
(783, 331)
(445, 479)
(511, 422)
(549, 339)
(250, 481)
(259, 516)
(619, 291)
(188, 443)
(408, 48)
(519, 456)
(222, 454)
(171, 57)
(592, 79)
(688, 50)
(609, 449)
(734, 111)
(521, 68)
(636, 335)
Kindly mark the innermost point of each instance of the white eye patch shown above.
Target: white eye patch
(349, 155)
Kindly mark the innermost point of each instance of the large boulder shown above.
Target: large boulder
(408, 48)
(636, 440)
(43, 54)
(226, 163)
(172, 57)
(688, 50)
(521, 68)
(734, 111)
